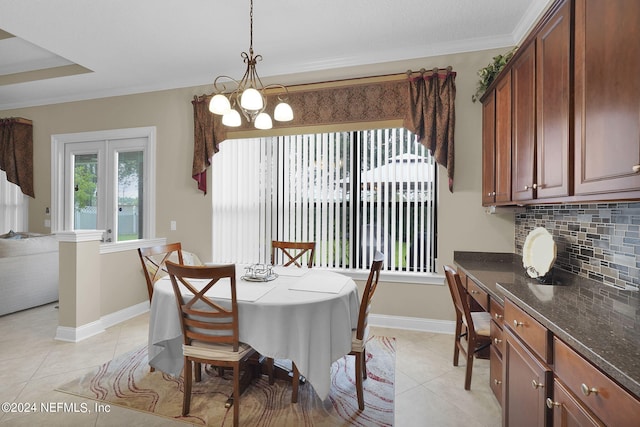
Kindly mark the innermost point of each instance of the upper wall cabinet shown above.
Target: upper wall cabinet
(496, 144)
(575, 109)
(607, 96)
(523, 81)
(554, 166)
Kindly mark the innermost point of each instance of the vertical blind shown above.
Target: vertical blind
(14, 207)
(350, 192)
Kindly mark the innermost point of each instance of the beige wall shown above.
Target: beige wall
(462, 222)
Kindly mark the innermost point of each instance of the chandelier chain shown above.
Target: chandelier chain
(251, 29)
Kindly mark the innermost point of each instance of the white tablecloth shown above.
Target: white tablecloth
(309, 327)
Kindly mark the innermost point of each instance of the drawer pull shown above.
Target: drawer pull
(551, 403)
(636, 169)
(498, 316)
(586, 390)
(496, 341)
(536, 384)
(497, 382)
(516, 323)
(473, 291)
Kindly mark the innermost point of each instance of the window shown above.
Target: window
(14, 207)
(350, 192)
(103, 183)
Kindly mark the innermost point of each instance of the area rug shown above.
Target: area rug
(127, 381)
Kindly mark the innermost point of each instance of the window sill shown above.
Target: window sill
(397, 277)
(108, 248)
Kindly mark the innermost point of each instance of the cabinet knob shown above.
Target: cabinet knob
(496, 341)
(534, 186)
(498, 316)
(473, 291)
(636, 169)
(516, 323)
(536, 384)
(586, 390)
(551, 403)
(526, 187)
(497, 382)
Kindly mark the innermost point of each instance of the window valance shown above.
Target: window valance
(16, 152)
(425, 102)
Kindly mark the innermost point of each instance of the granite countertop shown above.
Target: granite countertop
(600, 322)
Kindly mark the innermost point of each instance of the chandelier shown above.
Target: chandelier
(249, 95)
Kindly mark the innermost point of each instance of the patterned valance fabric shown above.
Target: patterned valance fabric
(16, 152)
(418, 101)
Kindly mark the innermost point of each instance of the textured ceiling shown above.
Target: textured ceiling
(66, 50)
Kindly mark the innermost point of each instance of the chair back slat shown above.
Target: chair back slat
(202, 318)
(295, 252)
(367, 296)
(154, 259)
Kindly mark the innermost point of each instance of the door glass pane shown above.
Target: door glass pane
(85, 192)
(130, 195)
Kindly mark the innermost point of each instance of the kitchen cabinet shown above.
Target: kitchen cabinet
(567, 411)
(607, 90)
(554, 164)
(575, 113)
(496, 144)
(497, 349)
(524, 124)
(591, 390)
(526, 373)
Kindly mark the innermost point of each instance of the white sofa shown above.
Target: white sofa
(28, 271)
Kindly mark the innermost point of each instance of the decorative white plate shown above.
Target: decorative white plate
(538, 252)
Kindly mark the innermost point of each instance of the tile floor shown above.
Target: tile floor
(429, 390)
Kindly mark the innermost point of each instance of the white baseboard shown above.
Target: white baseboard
(413, 323)
(66, 333)
(120, 316)
(69, 334)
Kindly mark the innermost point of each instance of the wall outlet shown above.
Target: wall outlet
(47, 223)
(172, 225)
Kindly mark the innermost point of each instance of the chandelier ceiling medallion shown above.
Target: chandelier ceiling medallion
(249, 95)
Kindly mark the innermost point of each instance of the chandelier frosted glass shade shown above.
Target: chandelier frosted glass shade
(231, 118)
(263, 121)
(283, 112)
(251, 100)
(219, 104)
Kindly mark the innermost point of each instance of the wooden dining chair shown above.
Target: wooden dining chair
(476, 325)
(360, 335)
(210, 330)
(153, 261)
(295, 252)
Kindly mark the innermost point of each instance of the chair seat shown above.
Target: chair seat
(357, 346)
(222, 352)
(481, 322)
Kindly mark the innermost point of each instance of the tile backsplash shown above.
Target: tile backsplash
(598, 241)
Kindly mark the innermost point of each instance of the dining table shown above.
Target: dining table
(305, 315)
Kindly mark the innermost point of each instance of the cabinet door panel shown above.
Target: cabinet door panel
(607, 94)
(526, 386)
(503, 140)
(568, 412)
(553, 172)
(524, 130)
(489, 149)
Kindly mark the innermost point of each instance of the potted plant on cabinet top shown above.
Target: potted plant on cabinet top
(489, 73)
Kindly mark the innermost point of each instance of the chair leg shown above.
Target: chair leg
(364, 363)
(236, 395)
(198, 372)
(295, 383)
(186, 402)
(456, 349)
(359, 380)
(469, 369)
(268, 363)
